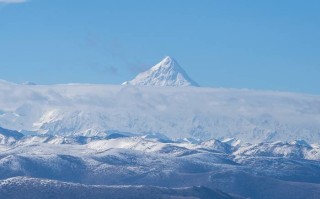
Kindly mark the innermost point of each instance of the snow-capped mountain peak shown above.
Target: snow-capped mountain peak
(166, 73)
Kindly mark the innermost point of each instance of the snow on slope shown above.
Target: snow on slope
(200, 113)
(141, 161)
(295, 149)
(27, 188)
(166, 73)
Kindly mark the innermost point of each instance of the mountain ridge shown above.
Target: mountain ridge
(138, 161)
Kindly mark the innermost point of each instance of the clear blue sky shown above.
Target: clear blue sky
(273, 45)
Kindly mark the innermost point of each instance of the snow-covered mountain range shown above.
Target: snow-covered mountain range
(263, 170)
(166, 73)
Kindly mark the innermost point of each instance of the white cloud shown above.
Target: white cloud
(12, 1)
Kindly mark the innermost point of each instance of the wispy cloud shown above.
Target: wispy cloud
(12, 1)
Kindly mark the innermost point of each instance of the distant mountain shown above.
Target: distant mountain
(166, 73)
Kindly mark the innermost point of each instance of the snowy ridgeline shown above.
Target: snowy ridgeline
(176, 112)
(265, 170)
(31, 188)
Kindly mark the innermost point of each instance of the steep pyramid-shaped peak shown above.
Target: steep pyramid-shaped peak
(166, 73)
(167, 62)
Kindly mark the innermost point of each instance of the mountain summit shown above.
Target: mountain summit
(166, 73)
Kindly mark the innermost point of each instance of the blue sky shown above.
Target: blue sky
(272, 45)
